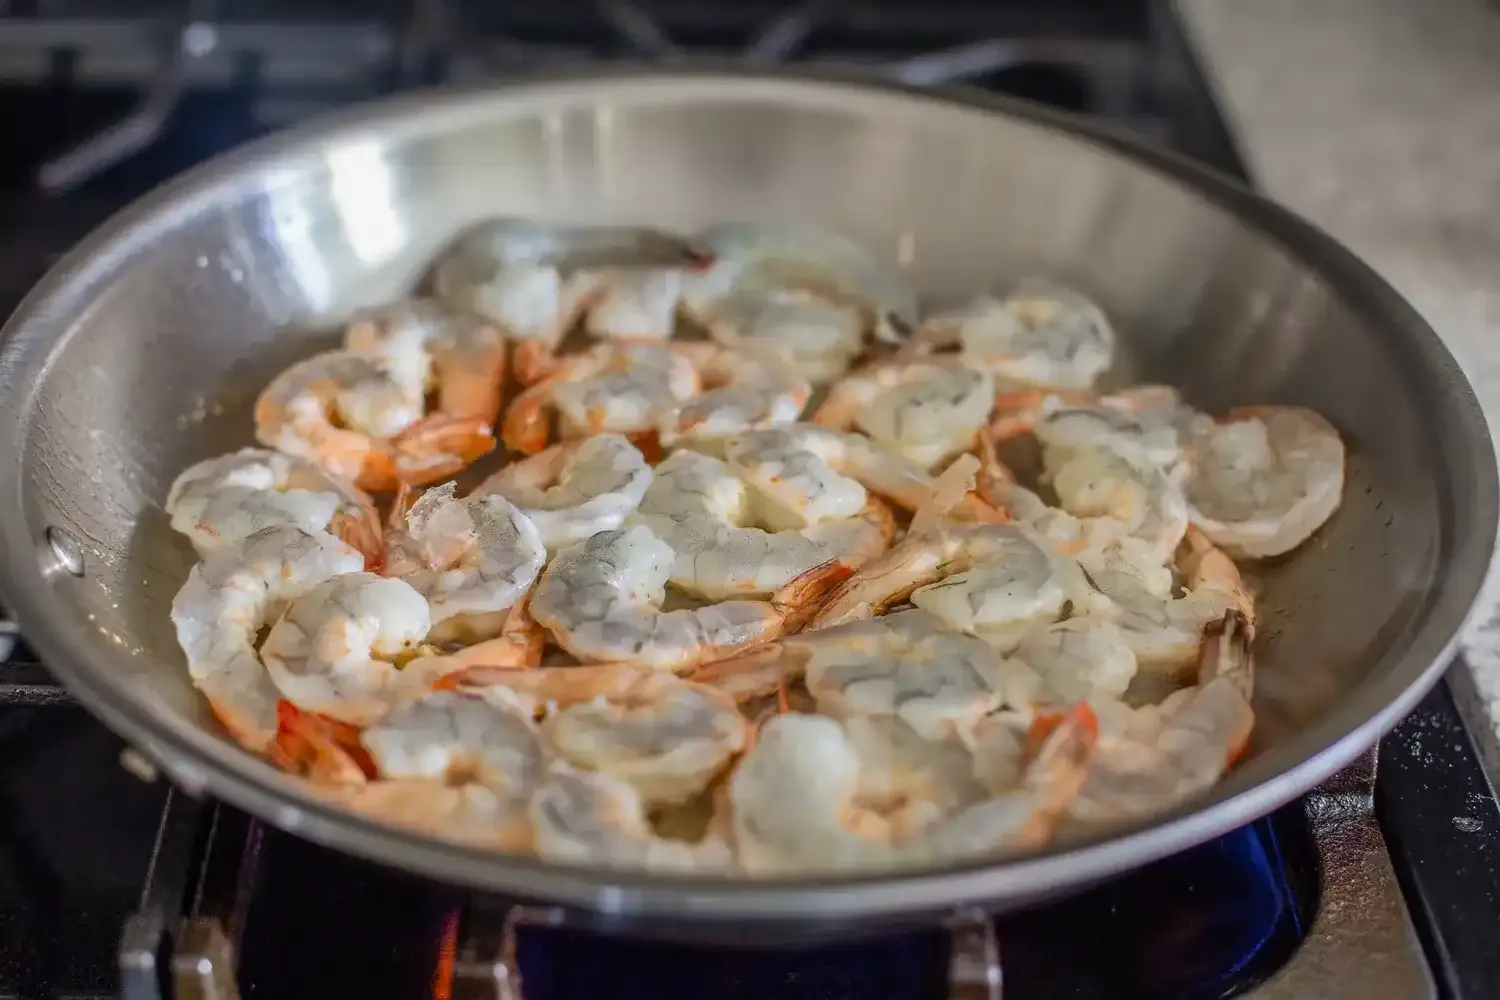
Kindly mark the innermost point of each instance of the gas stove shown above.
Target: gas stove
(1379, 884)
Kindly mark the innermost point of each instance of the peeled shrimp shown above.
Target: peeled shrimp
(664, 736)
(998, 581)
(222, 501)
(698, 506)
(751, 259)
(923, 411)
(460, 358)
(1153, 758)
(1097, 483)
(472, 559)
(628, 303)
(1078, 659)
(335, 648)
(628, 388)
(587, 817)
(1164, 631)
(601, 601)
(1041, 335)
(1148, 423)
(575, 489)
(797, 805)
(744, 389)
(805, 474)
(450, 740)
(226, 601)
(516, 273)
(906, 665)
(351, 414)
(1265, 479)
(818, 337)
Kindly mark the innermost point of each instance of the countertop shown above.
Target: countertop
(1380, 121)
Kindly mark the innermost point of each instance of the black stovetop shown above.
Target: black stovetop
(108, 880)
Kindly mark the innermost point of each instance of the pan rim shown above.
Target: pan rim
(201, 761)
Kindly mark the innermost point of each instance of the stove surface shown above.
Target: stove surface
(1381, 884)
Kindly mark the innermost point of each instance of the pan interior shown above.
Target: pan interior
(151, 358)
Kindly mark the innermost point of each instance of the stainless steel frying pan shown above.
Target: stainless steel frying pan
(142, 351)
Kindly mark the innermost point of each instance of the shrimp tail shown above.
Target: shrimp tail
(1064, 750)
(321, 749)
(528, 420)
(1227, 652)
(753, 674)
(471, 386)
(435, 447)
(363, 534)
(800, 599)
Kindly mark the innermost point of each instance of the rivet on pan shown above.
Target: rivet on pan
(66, 554)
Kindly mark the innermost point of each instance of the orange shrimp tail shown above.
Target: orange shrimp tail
(472, 386)
(432, 449)
(802, 598)
(362, 533)
(1048, 723)
(528, 420)
(321, 749)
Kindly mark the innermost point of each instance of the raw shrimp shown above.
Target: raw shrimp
(1041, 335)
(587, 817)
(925, 411)
(751, 259)
(628, 303)
(454, 740)
(1078, 659)
(1164, 631)
(517, 274)
(228, 598)
(1265, 479)
(1147, 423)
(997, 581)
(664, 736)
(334, 651)
(460, 358)
(1097, 483)
(472, 559)
(222, 501)
(1153, 758)
(744, 389)
(797, 805)
(575, 489)
(629, 388)
(601, 601)
(819, 338)
(805, 474)
(698, 506)
(350, 414)
(906, 665)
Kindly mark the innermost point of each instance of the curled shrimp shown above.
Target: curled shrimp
(353, 415)
(1147, 506)
(798, 807)
(464, 756)
(698, 506)
(1078, 659)
(818, 337)
(998, 581)
(334, 650)
(664, 736)
(592, 818)
(459, 358)
(1148, 423)
(743, 389)
(1265, 479)
(803, 474)
(1152, 758)
(519, 274)
(472, 559)
(1165, 631)
(925, 411)
(1041, 335)
(751, 259)
(222, 501)
(628, 303)
(228, 598)
(907, 665)
(575, 489)
(601, 601)
(624, 387)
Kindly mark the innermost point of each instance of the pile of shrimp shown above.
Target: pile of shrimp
(760, 590)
